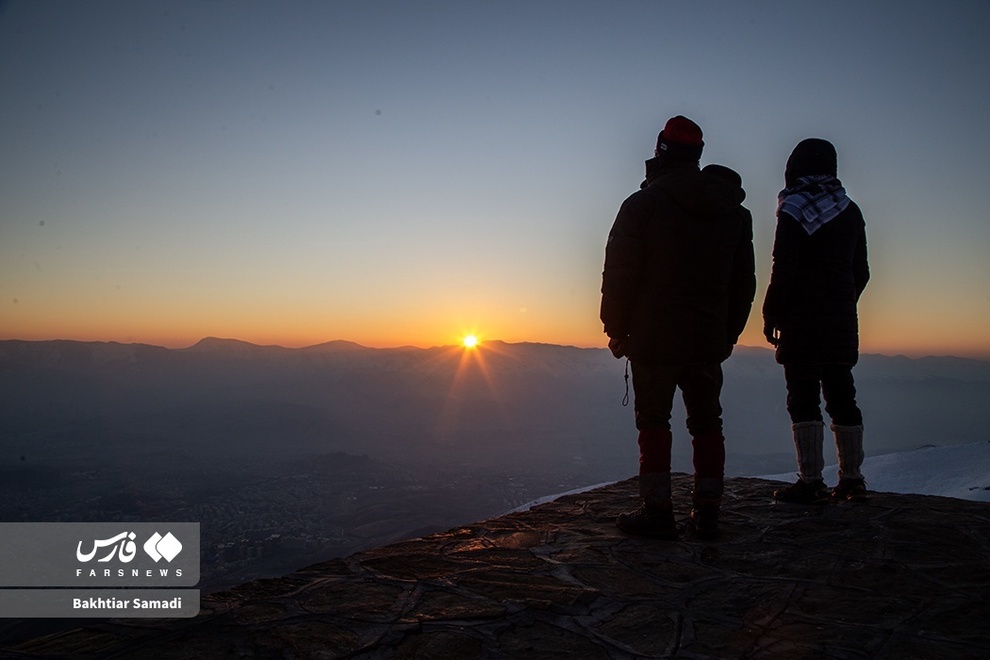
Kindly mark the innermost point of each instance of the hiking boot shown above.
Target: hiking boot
(850, 490)
(650, 520)
(704, 516)
(803, 492)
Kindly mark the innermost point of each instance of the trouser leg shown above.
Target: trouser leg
(654, 466)
(653, 389)
(701, 386)
(839, 391)
(803, 392)
(653, 386)
(709, 463)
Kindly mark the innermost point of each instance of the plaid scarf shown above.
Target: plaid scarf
(814, 201)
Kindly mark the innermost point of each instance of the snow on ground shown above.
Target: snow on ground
(960, 471)
(550, 498)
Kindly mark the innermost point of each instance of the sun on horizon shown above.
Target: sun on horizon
(470, 341)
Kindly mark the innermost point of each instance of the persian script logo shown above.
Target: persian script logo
(122, 545)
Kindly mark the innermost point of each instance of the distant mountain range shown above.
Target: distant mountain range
(533, 405)
(290, 456)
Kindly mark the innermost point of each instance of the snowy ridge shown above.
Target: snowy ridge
(959, 471)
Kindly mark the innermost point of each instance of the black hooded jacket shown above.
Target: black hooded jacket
(817, 278)
(814, 287)
(679, 276)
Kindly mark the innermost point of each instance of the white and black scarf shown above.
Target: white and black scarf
(813, 201)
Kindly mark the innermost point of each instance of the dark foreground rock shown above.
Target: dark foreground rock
(901, 576)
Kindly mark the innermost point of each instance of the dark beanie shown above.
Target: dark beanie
(680, 140)
(810, 157)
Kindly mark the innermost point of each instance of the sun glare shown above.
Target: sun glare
(470, 341)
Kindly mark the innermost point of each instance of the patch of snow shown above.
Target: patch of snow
(960, 471)
(551, 498)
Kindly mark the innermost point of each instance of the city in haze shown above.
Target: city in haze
(287, 456)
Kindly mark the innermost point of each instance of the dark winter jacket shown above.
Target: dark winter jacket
(679, 275)
(814, 287)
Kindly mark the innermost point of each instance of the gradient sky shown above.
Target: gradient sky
(400, 173)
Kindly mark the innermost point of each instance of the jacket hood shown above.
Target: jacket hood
(810, 157)
(730, 176)
(708, 193)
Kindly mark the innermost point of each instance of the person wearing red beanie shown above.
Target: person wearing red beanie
(677, 289)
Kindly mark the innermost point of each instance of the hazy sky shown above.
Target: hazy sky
(404, 172)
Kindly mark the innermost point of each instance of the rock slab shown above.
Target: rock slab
(899, 576)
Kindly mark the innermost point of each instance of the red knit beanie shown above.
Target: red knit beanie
(682, 130)
(680, 139)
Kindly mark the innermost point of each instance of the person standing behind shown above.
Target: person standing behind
(677, 289)
(820, 269)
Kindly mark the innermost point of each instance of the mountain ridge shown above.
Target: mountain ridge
(211, 343)
(562, 398)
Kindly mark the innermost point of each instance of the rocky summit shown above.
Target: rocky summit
(900, 576)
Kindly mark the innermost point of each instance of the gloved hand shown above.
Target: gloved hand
(771, 332)
(618, 346)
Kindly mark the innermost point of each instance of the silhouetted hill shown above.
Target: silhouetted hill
(336, 346)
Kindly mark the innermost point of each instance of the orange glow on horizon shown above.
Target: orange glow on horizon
(886, 335)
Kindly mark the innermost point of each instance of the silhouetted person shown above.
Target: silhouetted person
(809, 313)
(677, 289)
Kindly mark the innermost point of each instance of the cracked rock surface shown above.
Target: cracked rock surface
(899, 576)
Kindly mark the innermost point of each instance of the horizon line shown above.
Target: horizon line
(914, 355)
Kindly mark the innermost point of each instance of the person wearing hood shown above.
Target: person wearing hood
(677, 289)
(820, 269)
